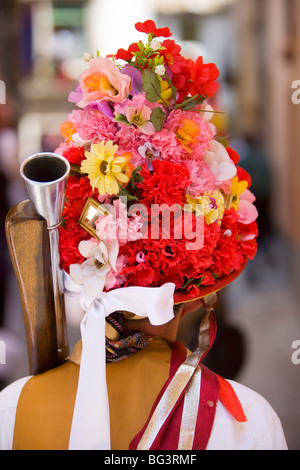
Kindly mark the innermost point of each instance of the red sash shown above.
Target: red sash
(213, 388)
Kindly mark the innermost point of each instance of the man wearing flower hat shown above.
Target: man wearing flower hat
(158, 218)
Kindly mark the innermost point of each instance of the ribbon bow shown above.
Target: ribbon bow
(91, 426)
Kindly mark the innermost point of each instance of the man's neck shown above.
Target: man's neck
(167, 331)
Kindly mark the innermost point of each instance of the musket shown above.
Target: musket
(45, 177)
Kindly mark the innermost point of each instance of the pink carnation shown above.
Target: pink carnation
(76, 117)
(114, 279)
(169, 146)
(203, 179)
(117, 224)
(207, 130)
(129, 139)
(97, 126)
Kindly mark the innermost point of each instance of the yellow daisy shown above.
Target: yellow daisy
(211, 205)
(104, 168)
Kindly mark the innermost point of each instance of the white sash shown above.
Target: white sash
(91, 426)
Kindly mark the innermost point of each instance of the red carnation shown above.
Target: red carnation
(168, 260)
(249, 248)
(203, 78)
(229, 222)
(74, 154)
(227, 257)
(149, 27)
(70, 234)
(166, 184)
(78, 187)
(73, 210)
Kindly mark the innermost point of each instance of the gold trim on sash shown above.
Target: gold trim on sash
(187, 373)
(189, 414)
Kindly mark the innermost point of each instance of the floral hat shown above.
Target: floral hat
(155, 195)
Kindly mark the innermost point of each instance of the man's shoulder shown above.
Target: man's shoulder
(9, 395)
(9, 398)
(262, 429)
(253, 402)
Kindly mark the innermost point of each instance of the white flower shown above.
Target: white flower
(87, 57)
(155, 44)
(147, 151)
(78, 142)
(101, 258)
(208, 112)
(160, 70)
(219, 162)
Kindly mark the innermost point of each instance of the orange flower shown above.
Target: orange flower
(187, 134)
(127, 166)
(67, 129)
(103, 81)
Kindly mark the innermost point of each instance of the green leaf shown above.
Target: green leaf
(171, 86)
(157, 118)
(136, 177)
(75, 169)
(222, 139)
(151, 85)
(121, 118)
(130, 197)
(196, 282)
(191, 102)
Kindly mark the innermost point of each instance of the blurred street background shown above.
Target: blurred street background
(256, 46)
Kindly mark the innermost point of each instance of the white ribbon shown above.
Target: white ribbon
(91, 426)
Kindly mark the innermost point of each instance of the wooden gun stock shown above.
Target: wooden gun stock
(29, 248)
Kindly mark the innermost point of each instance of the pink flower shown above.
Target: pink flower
(169, 147)
(205, 136)
(138, 113)
(96, 125)
(114, 279)
(219, 162)
(247, 212)
(77, 116)
(117, 224)
(203, 179)
(129, 139)
(103, 81)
